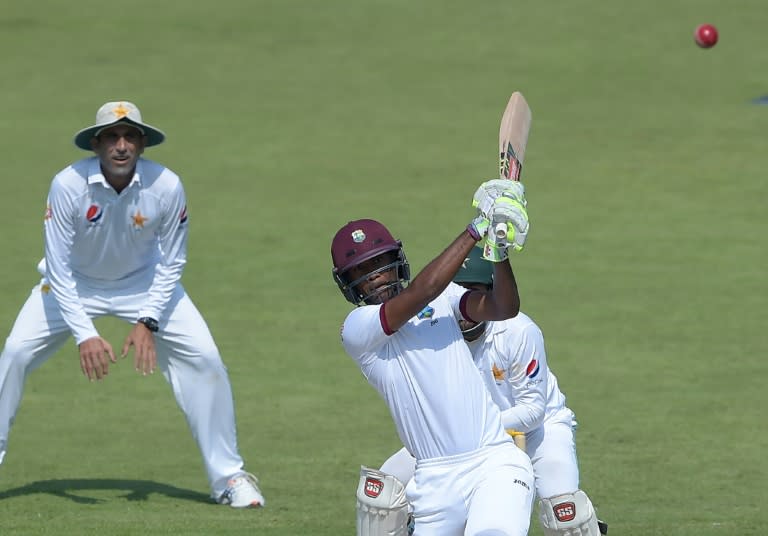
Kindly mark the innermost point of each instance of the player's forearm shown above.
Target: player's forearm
(428, 284)
(173, 245)
(523, 418)
(72, 310)
(436, 275)
(62, 286)
(160, 293)
(505, 294)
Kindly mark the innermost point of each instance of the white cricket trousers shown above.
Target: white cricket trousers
(552, 449)
(488, 492)
(186, 355)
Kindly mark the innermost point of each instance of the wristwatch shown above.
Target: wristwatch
(150, 323)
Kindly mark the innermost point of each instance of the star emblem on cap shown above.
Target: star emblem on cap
(120, 111)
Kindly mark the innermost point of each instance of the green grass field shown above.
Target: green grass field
(645, 175)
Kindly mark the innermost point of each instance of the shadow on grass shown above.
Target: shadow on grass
(136, 490)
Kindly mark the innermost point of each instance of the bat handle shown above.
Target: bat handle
(500, 231)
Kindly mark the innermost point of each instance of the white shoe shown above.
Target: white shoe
(242, 492)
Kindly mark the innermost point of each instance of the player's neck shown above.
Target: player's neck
(118, 182)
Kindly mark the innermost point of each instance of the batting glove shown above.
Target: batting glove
(490, 190)
(478, 227)
(492, 252)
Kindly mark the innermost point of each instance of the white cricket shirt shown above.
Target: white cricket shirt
(425, 374)
(513, 362)
(104, 240)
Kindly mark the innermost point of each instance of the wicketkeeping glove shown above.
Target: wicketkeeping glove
(490, 190)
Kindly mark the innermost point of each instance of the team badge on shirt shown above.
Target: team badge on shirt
(498, 374)
(94, 213)
(427, 312)
(139, 220)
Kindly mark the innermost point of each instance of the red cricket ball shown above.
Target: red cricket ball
(705, 35)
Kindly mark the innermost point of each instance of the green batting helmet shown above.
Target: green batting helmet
(475, 269)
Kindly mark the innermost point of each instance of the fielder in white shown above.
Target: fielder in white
(469, 477)
(510, 356)
(115, 244)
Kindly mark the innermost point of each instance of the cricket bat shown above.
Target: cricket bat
(513, 138)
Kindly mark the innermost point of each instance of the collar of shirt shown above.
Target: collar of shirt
(96, 176)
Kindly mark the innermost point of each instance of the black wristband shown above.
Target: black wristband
(151, 324)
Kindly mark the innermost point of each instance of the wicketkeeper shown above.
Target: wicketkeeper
(512, 360)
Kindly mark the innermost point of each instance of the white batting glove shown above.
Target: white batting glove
(509, 223)
(478, 227)
(492, 252)
(490, 190)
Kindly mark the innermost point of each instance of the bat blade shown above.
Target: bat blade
(513, 136)
(513, 139)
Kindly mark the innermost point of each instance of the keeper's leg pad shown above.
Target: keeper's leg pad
(571, 514)
(382, 509)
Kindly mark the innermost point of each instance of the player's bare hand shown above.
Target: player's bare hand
(93, 358)
(144, 353)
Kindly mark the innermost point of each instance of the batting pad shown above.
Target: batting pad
(382, 509)
(571, 514)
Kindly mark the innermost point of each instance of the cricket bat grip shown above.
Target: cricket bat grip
(518, 437)
(500, 232)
